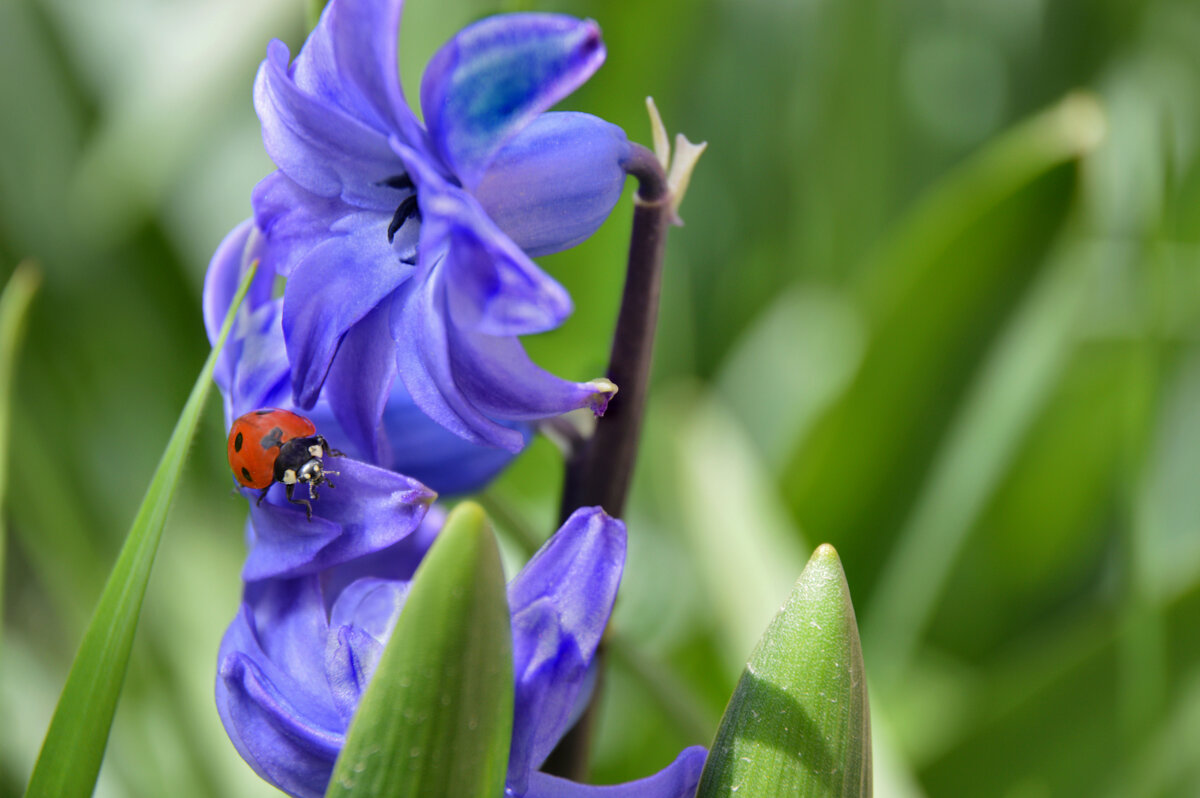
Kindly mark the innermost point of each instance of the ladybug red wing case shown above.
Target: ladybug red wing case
(255, 440)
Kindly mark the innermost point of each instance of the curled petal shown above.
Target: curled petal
(560, 603)
(488, 82)
(263, 373)
(369, 510)
(350, 663)
(556, 182)
(494, 287)
(360, 382)
(424, 364)
(335, 286)
(361, 621)
(350, 59)
(272, 735)
(235, 254)
(497, 288)
(315, 143)
(272, 695)
(500, 380)
(678, 780)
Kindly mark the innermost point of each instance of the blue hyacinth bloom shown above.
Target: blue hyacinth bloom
(253, 372)
(301, 651)
(406, 246)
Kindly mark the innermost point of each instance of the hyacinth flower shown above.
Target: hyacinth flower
(406, 247)
(298, 656)
(253, 372)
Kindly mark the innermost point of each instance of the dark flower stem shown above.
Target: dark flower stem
(600, 471)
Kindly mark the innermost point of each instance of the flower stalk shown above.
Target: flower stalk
(600, 470)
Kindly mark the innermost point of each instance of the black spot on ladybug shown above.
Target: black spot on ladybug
(237, 443)
(266, 412)
(273, 439)
(246, 473)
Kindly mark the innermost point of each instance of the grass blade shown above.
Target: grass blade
(74, 745)
(14, 309)
(437, 716)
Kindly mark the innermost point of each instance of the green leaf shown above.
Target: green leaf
(798, 723)
(437, 716)
(14, 308)
(74, 746)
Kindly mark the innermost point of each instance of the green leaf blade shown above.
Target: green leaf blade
(437, 716)
(798, 723)
(14, 311)
(74, 746)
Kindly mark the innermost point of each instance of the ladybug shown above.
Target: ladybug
(271, 445)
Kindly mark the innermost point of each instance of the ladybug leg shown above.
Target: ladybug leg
(294, 500)
(262, 495)
(329, 450)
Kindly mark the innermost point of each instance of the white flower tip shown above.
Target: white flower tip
(662, 143)
(686, 156)
(603, 391)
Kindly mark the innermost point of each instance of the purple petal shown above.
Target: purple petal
(495, 288)
(488, 82)
(424, 364)
(361, 622)
(360, 382)
(350, 61)
(336, 285)
(678, 780)
(350, 662)
(397, 562)
(271, 691)
(234, 255)
(556, 182)
(369, 510)
(283, 746)
(427, 451)
(560, 603)
(263, 373)
(316, 143)
(498, 378)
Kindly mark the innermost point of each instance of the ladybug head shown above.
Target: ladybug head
(301, 461)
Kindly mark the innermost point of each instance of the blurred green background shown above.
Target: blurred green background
(932, 304)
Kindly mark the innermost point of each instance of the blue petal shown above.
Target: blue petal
(556, 182)
(560, 603)
(360, 382)
(317, 144)
(369, 510)
(498, 289)
(678, 780)
(234, 255)
(497, 377)
(350, 662)
(263, 374)
(271, 691)
(427, 451)
(491, 80)
(350, 61)
(336, 285)
(424, 364)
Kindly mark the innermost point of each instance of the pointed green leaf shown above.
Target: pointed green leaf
(74, 746)
(437, 716)
(14, 308)
(798, 724)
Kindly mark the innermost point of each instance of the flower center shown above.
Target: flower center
(407, 208)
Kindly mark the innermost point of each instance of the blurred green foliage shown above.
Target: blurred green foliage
(894, 321)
